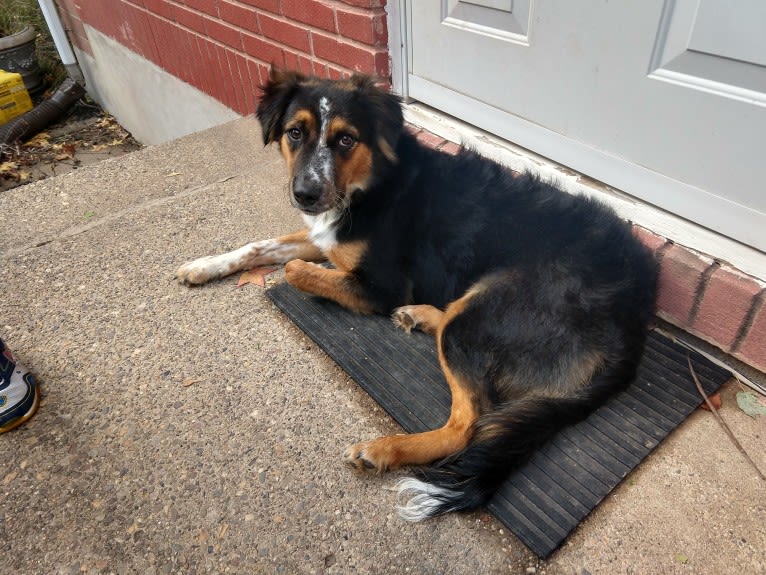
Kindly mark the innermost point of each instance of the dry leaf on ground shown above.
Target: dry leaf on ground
(255, 276)
(39, 140)
(65, 151)
(715, 400)
(11, 171)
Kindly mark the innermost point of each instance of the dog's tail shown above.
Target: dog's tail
(502, 441)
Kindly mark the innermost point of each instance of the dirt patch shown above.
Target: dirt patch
(86, 136)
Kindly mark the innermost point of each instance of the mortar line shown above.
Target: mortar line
(744, 329)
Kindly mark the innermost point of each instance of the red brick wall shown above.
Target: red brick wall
(70, 15)
(224, 47)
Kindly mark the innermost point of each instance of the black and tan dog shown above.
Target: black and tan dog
(539, 300)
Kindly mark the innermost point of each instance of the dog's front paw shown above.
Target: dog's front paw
(371, 456)
(198, 271)
(298, 273)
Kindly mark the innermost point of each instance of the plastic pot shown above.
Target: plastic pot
(17, 54)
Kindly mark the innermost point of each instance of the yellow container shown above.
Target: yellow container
(14, 98)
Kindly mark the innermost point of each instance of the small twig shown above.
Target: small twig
(725, 427)
(737, 375)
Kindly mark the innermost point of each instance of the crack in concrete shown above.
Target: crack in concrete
(109, 218)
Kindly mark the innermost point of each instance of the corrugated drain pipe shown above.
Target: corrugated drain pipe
(43, 114)
(63, 98)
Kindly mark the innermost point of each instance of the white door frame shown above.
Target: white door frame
(396, 14)
(563, 151)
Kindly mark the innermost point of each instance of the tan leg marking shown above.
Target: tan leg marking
(394, 451)
(347, 255)
(335, 285)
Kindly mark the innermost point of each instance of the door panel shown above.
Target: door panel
(663, 100)
(503, 19)
(713, 48)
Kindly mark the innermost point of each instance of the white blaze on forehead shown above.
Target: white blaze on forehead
(320, 165)
(324, 119)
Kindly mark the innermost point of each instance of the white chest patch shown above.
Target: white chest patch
(322, 229)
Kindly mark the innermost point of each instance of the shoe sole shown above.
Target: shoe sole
(19, 420)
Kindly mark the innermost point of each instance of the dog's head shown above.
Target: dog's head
(336, 136)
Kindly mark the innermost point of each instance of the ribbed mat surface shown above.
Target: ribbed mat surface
(545, 500)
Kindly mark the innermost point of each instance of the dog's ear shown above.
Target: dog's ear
(272, 104)
(387, 111)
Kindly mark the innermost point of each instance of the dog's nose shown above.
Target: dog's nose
(306, 195)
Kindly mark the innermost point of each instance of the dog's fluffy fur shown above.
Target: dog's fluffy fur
(539, 301)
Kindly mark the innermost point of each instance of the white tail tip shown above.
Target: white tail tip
(424, 500)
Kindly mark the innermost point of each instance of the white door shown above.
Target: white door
(665, 100)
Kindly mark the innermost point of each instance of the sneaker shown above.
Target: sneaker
(19, 393)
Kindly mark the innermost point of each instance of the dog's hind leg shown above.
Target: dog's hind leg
(421, 448)
(276, 251)
(394, 451)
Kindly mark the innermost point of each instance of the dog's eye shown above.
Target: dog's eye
(295, 134)
(346, 141)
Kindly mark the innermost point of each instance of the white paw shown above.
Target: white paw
(198, 271)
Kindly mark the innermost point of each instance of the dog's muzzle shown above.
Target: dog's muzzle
(311, 198)
(313, 186)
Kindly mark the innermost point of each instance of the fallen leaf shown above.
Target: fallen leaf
(681, 558)
(751, 404)
(255, 276)
(190, 381)
(8, 167)
(41, 140)
(11, 171)
(66, 152)
(105, 122)
(715, 399)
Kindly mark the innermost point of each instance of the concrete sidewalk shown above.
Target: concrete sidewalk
(198, 431)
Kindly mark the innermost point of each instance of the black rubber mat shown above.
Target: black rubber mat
(545, 500)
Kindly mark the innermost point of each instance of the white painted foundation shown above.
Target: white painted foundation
(153, 105)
